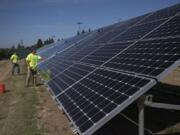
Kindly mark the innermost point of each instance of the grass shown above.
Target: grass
(45, 74)
(18, 108)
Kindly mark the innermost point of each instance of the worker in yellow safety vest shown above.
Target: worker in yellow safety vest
(32, 61)
(15, 63)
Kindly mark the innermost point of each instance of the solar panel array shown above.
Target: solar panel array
(96, 78)
(51, 49)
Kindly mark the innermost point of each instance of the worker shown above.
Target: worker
(15, 63)
(32, 61)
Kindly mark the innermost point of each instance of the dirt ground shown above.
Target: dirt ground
(47, 119)
(17, 104)
(50, 117)
(28, 111)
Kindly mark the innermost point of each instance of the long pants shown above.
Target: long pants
(31, 74)
(14, 67)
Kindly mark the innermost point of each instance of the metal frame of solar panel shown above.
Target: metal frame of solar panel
(93, 96)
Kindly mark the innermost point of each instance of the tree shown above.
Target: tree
(13, 48)
(83, 31)
(89, 30)
(39, 43)
(78, 33)
(18, 46)
(48, 41)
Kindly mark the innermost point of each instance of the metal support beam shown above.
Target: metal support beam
(163, 106)
(147, 100)
(141, 115)
(149, 103)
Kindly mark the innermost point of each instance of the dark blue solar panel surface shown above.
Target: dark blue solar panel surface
(150, 57)
(54, 66)
(79, 50)
(138, 31)
(68, 77)
(97, 95)
(122, 27)
(61, 45)
(164, 13)
(84, 52)
(104, 53)
(171, 28)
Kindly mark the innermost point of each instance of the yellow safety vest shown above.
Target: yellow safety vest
(33, 60)
(14, 58)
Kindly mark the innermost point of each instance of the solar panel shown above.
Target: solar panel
(151, 57)
(101, 95)
(68, 77)
(104, 53)
(61, 45)
(171, 28)
(81, 49)
(120, 28)
(95, 79)
(137, 31)
(163, 13)
(54, 66)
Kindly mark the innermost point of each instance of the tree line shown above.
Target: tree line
(83, 31)
(22, 50)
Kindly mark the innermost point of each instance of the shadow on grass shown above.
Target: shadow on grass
(155, 119)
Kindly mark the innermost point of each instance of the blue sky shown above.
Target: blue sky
(29, 20)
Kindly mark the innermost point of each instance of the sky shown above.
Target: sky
(29, 20)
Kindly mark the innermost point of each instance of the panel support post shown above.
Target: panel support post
(141, 115)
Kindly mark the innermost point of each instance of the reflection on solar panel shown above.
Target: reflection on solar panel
(96, 78)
